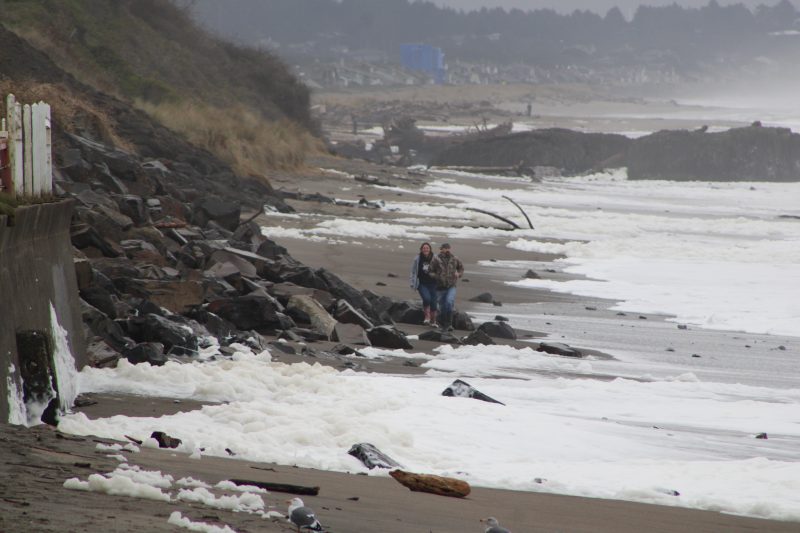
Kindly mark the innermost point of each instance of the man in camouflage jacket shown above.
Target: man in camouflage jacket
(446, 269)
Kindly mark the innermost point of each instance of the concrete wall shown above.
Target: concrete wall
(36, 269)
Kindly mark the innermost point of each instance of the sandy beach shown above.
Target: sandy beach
(39, 460)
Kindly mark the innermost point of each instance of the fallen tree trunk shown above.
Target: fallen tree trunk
(279, 487)
(520, 210)
(443, 486)
(507, 221)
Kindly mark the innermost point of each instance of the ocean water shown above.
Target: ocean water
(648, 425)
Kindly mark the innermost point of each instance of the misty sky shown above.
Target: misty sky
(601, 6)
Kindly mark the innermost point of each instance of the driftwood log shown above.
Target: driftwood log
(504, 219)
(520, 210)
(443, 486)
(279, 487)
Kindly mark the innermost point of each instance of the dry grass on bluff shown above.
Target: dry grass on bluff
(151, 53)
(237, 135)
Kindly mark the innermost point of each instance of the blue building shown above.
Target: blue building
(424, 57)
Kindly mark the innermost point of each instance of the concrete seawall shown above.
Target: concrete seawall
(36, 272)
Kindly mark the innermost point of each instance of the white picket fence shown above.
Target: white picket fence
(26, 149)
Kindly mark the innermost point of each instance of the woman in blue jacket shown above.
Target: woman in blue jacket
(424, 283)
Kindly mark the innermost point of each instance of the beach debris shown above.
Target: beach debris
(762, 436)
(278, 487)
(443, 486)
(500, 330)
(302, 517)
(388, 337)
(530, 225)
(493, 526)
(477, 337)
(530, 274)
(590, 308)
(462, 389)
(695, 355)
(559, 348)
(164, 440)
(497, 303)
(683, 326)
(484, 297)
(668, 492)
(501, 318)
(483, 211)
(372, 457)
(782, 347)
(642, 317)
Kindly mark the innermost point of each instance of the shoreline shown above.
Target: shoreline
(382, 504)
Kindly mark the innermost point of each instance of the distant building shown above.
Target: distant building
(425, 58)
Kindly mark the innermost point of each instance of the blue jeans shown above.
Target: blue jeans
(428, 294)
(447, 300)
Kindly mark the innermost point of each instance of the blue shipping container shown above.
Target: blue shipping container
(425, 58)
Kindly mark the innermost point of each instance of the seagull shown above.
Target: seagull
(302, 516)
(494, 526)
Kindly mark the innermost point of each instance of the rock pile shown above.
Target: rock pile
(167, 268)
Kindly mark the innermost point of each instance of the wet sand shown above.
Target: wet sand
(36, 462)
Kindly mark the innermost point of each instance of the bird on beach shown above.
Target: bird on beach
(493, 526)
(302, 517)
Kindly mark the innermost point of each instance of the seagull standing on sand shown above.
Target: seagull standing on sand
(494, 526)
(302, 517)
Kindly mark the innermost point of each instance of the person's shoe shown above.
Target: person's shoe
(426, 322)
(449, 328)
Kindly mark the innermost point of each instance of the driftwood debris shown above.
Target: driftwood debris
(520, 210)
(507, 221)
(279, 487)
(443, 486)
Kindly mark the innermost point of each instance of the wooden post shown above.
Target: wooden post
(42, 159)
(27, 131)
(15, 147)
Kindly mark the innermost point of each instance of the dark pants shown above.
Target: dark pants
(447, 300)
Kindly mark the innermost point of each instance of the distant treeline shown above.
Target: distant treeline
(680, 37)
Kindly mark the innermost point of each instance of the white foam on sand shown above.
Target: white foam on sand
(715, 254)
(618, 439)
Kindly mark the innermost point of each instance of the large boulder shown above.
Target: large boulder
(350, 334)
(406, 312)
(223, 212)
(499, 330)
(559, 348)
(462, 389)
(321, 321)
(388, 337)
(337, 287)
(344, 312)
(176, 338)
(250, 312)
